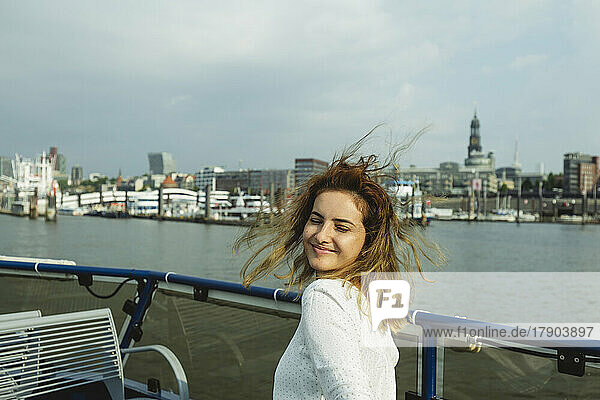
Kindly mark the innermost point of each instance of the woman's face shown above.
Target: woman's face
(334, 234)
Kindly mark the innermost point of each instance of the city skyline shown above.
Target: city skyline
(538, 167)
(265, 85)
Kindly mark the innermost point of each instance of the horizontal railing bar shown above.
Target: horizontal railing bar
(590, 346)
(154, 275)
(437, 321)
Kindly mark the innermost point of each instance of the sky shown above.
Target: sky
(257, 84)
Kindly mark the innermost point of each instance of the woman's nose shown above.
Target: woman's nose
(324, 233)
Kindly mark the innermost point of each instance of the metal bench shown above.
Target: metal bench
(40, 356)
(20, 315)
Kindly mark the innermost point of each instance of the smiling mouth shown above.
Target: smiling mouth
(322, 250)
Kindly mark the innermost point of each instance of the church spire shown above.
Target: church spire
(475, 138)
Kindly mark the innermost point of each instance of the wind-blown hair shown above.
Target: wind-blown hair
(392, 244)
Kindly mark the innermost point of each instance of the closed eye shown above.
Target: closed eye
(342, 228)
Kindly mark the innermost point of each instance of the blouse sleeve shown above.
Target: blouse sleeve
(332, 339)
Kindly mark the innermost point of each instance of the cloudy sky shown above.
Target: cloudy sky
(257, 84)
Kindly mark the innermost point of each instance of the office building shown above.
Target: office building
(304, 168)
(232, 181)
(76, 175)
(261, 180)
(208, 176)
(59, 161)
(185, 181)
(449, 178)
(161, 163)
(6, 168)
(580, 172)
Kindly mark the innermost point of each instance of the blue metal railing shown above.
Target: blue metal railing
(429, 345)
(140, 274)
(148, 282)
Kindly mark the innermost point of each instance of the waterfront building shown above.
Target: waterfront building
(256, 180)
(208, 176)
(169, 183)
(34, 174)
(509, 183)
(155, 180)
(476, 159)
(76, 175)
(233, 180)
(6, 168)
(534, 178)
(304, 168)
(161, 163)
(261, 180)
(108, 187)
(450, 178)
(59, 161)
(7, 177)
(580, 172)
(477, 164)
(508, 173)
(138, 183)
(124, 184)
(511, 176)
(185, 181)
(429, 178)
(94, 176)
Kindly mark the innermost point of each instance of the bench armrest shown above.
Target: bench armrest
(173, 362)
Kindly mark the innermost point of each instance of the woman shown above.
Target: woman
(340, 226)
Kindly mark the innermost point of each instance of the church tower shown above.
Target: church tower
(474, 139)
(476, 159)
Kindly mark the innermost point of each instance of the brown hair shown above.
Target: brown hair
(392, 245)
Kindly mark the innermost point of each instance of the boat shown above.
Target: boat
(219, 340)
(571, 219)
(442, 214)
(503, 215)
(71, 210)
(145, 204)
(410, 199)
(463, 216)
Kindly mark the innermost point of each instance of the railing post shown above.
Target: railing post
(428, 367)
(134, 329)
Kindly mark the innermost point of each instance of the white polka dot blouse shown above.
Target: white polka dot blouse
(334, 354)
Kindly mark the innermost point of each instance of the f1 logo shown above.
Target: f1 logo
(388, 299)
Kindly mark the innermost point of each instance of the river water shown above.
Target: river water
(553, 265)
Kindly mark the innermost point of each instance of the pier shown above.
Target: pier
(189, 206)
(556, 209)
